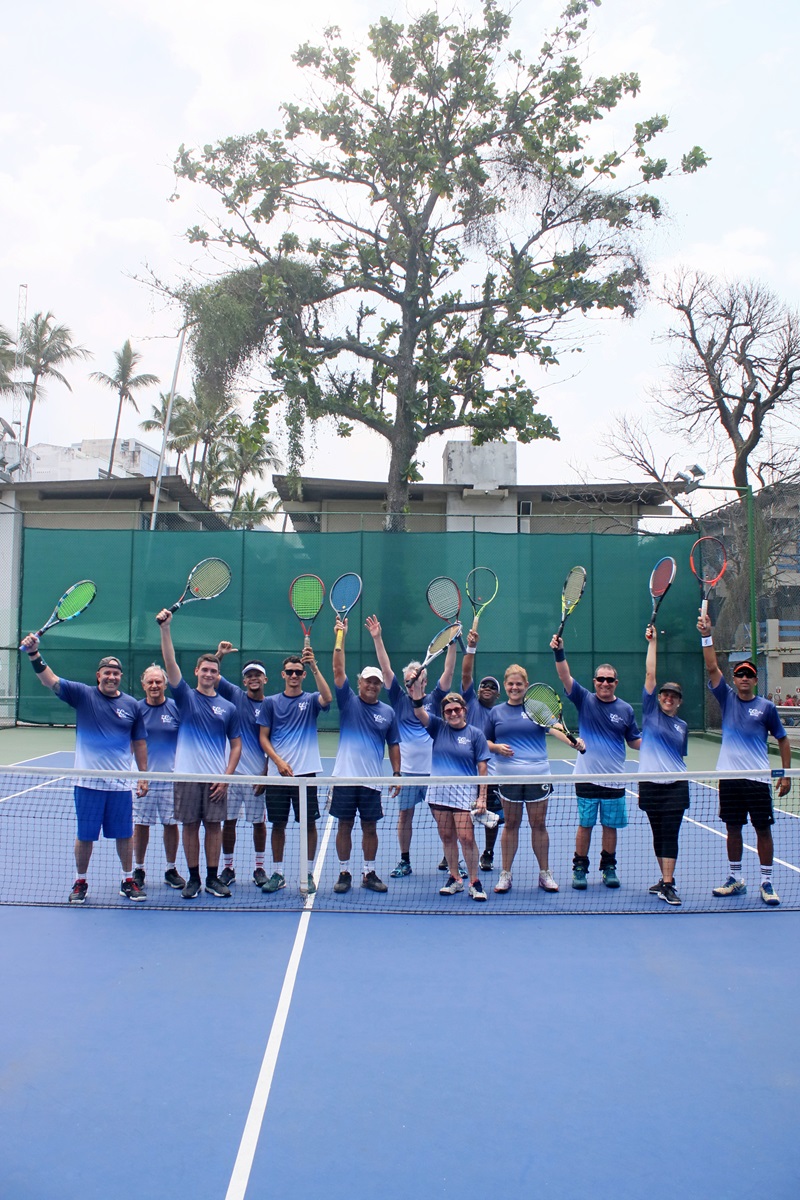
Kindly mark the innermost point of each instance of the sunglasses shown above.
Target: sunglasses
(743, 675)
(293, 671)
(605, 679)
(453, 710)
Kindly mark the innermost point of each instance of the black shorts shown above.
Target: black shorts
(279, 799)
(493, 802)
(524, 793)
(593, 791)
(664, 797)
(740, 797)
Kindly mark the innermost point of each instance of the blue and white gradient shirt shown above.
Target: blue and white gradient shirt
(455, 752)
(291, 722)
(208, 723)
(364, 731)
(665, 739)
(161, 723)
(415, 745)
(249, 712)
(105, 728)
(477, 714)
(605, 728)
(745, 725)
(528, 740)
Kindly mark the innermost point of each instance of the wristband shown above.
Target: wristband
(706, 641)
(470, 649)
(397, 773)
(560, 654)
(418, 703)
(39, 665)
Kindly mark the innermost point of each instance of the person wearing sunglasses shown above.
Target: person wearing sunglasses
(664, 743)
(747, 720)
(415, 745)
(458, 749)
(606, 724)
(519, 747)
(479, 704)
(288, 732)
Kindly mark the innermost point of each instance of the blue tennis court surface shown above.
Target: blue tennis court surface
(408, 1056)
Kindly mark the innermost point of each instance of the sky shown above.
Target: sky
(95, 100)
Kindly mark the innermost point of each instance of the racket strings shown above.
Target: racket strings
(662, 576)
(306, 597)
(481, 586)
(209, 578)
(345, 592)
(573, 587)
(444, 598)
(708, 559)
(76, 600)
(443, 639)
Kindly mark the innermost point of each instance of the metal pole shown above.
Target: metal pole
(167, 422)
(751, 542)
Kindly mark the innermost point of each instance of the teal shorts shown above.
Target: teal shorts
(609, 801)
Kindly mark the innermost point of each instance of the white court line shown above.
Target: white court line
(24, 762)
(33, 788)
(240, 1176)
(754, 849)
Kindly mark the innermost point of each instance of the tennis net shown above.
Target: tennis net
(37, 832)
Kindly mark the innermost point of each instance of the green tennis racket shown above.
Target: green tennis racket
(75, 600)
(543, 707)
(306, 594)
(571, 593)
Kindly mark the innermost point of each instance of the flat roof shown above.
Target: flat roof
(318, 490)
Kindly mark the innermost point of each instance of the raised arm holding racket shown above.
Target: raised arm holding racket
(709, 562)
(438, 645)
(482, 587)
(76, 599)
(344, 595)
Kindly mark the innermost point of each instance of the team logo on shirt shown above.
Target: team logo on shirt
(463, 741)
(167, 719)
(302, 706)
(754, 712)
(615, 717)
(220, 712)
(123, 714)
(676, 725)
(378, 719)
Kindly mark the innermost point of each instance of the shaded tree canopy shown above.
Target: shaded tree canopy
(422, 230)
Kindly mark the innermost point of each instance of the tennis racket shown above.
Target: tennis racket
(207, 580)
(571, 593)
(444, 598)
(543, 707)
(482, 586)
(661, 579)
(709, 562)
(443, 639)
(75, 600)
(306, 594)
(343, 595)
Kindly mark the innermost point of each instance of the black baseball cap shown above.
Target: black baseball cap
(109, 661)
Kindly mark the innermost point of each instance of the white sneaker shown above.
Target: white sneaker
(547, 882)
(451, 887)
(504, 882)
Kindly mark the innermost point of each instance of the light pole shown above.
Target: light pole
(167, 422)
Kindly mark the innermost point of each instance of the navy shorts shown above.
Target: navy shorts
(110, 811)
(740, 797)
(347, 801)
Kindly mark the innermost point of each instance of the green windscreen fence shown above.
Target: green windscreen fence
(138, 572)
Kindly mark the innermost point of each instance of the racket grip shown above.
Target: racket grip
(339, 639)
(173, 608)
(704, 607)
(307, 640)
(474, 625)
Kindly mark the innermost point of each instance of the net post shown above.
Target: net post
(303, 815)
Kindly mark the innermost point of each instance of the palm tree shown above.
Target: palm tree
(250, 453)
(253, 510)
(179, 438)
(6, 359)
(124, 383)
(208, 415)
(45, 347)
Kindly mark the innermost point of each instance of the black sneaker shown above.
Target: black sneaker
(227, 875)
(173, 879)
(259, 876)
(138, 877)
(443, 865)
(216, 887)
(131, 890)
(373, 883)
(487, 860)
(655, 890)
(78, 894)
(667, 893)
(343, 883)
(191, 889)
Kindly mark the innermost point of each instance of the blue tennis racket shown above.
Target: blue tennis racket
(344, 594)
